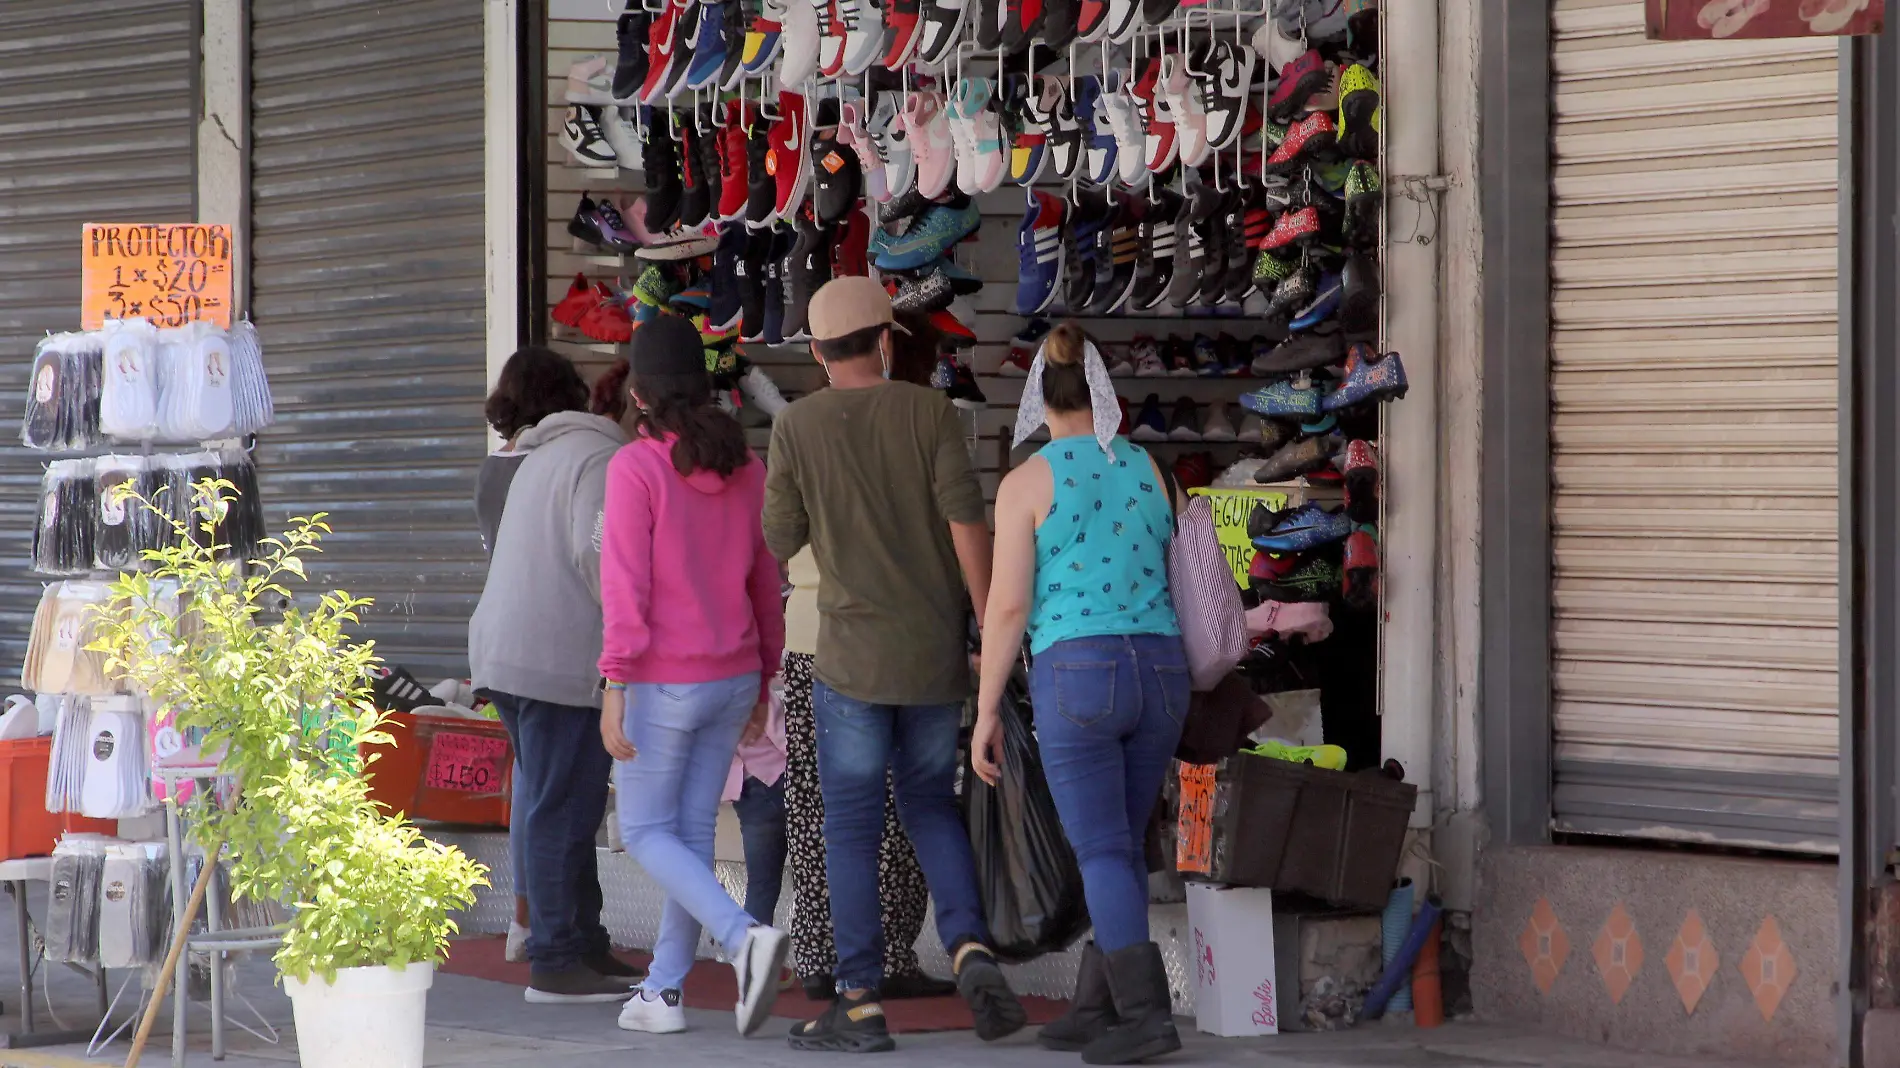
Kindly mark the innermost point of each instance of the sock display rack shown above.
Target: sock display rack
(128, 407)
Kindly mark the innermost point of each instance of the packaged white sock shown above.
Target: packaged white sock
(128, 399)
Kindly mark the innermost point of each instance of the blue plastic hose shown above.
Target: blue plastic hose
(1392, 929)
(1398, 973)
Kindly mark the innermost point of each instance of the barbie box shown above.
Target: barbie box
(1232, 943)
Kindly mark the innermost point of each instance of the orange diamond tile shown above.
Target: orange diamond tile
(1619, 953)
(1692, 961)
(1544, 944)
(1768, 968)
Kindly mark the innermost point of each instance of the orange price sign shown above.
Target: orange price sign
(170, 273)
(1194, 829)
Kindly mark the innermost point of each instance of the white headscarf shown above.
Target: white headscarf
(1032, 413)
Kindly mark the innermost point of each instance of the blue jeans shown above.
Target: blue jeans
(1108, 717)
(761, 812)
(517, 834)
(669, 806)
(560, 797)
(857, 743)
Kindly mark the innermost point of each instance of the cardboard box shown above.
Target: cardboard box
(1235, 985)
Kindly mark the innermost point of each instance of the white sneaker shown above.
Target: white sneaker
(621, 136)
(582, 138)
(892, 144)
(963, 111)
(1179, 102)
(863, 34)
(1276, 46)
(798, 47)
(760, 959)
(759, 388)
(833, 36)
(655, 1014)
(516, 950)
(1124, 121)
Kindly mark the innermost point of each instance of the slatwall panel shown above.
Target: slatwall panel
(1693, 390)
(369, 293)
(71, 158)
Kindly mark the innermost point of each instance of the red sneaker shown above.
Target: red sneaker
(1265, 567)
(952, 328)
(607, 322)
(1362, 482)
(786, 160)
(1361, 586)
(1194, 470)
(901, 19)
(733, 170)
(850, 241)
(1304, 139)
(1300, 226)
(1091, 20)
(574, 307)
(1158, 143)
(661, 53)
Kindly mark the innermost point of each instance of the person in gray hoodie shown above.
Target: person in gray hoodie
(532, 647)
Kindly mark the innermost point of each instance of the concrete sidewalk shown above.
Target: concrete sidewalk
(483, 1024)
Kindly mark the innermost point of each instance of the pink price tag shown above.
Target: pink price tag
(470, 763)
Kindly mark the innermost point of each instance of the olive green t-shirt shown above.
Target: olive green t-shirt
(871, 479)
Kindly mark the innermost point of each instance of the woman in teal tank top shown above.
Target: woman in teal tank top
(1081, 566)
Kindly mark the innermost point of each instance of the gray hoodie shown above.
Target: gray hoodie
(536, 632)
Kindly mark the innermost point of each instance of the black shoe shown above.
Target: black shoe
(782, 239)
(1155, 261)
(584, 226)
(613, 967)
(1302, 352)
(896, 213)
(998, 1013)
(738, 18)
(761, 187)
(847, 1026)
(1200, 205)
(989, 24)
(1091, 1011)
(909, 987)
(1138, 981)
(630, 71)
(706, 156)
(749, 273)
(1083, 243)
(696, 200)
(577, 985)
(660, 167)
(728, 297)
(834, 170)
(821, 987)
(807, 267)
(1359, 299)
(1238, 284)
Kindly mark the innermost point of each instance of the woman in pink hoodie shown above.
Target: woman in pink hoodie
(693, 628)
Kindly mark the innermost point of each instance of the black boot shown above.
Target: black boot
(1139, 982)
(1091, 1011)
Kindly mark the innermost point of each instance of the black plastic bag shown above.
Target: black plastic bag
(1025, 870)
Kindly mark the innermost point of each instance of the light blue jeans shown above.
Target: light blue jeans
(669, 806)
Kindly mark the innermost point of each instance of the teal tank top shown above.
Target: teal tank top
(1102, 551)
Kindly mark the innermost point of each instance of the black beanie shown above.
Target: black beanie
(667, 345)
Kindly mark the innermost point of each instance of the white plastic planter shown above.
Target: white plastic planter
(367, 1018)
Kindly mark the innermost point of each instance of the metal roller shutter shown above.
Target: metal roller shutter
(368, 292)
(67, 159)
(1693, 386)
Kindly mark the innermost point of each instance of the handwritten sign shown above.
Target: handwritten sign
(1231, 509)
(170, 273)
(1700, 20)
(468, 763)
(1194, 827)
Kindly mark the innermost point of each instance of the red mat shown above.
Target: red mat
(711, 985)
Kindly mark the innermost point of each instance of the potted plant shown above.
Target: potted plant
(283, 690)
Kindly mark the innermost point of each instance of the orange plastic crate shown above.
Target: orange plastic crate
(29, 830)
(444, 769)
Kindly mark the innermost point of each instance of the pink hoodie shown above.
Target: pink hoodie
(688, 591)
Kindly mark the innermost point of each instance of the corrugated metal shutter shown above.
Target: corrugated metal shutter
(69, 156)
(368, 292)
(1693, 433)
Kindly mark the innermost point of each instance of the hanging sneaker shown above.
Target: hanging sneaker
(1097, 137)
(1370, 377)
(734, 163)
(1147, 357)
(1359, 584)
(850, 243)
(582, 137)
(964, 391)
(709, 46)
(951, 329)
(832, 37)
(1039, 253)
(805, 269)
(662, 51)
(1123, 113)
(1226, 91)
(1361, 470)
(761, 185)
(1150, 425)
(1306, 352)
(932, 141)
(1324, 303)
(1305, 141)
(1299, 80)
(1159, 149)
(1276, 46)
(695, 193)
(1156, 12)
(1022, 23)
(1200, 204)
(1115, 269)
(1123, 18)
(764, 39)
(1302, 456)
(871, 166)
(1034, 113)
(1359, 112)
(1236, 282)
(939, 30)
(987, 24)
(864, 34)
(1091, 20)
(834, 167)
(1297, 227)
(992, 161)
(801, 39)
(928, 239)
(1364, 195)
(1358, 294)
(1282, 400)
(783, 237)
(886, 135)
(1295, 291)
(788, 162)
(1300, 579)
(749, 275)
(631, 35)
(1066, 138)
(971, 95)
(660, 166)
(1179, 99)
(1306, 527)
(904, 18)
(923, 295)
(1087, 221)
(1155, 260)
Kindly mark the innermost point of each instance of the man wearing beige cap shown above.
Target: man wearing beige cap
(874, 475)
